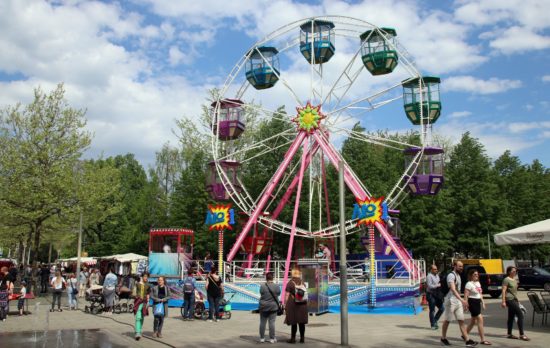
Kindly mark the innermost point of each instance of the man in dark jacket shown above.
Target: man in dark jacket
(44, 278)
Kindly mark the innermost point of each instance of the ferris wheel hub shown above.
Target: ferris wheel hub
(308, 117)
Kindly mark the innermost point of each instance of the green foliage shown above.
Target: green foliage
(41, 145)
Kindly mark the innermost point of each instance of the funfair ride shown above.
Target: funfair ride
(298, 64)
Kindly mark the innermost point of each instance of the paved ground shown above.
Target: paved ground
(45, 329)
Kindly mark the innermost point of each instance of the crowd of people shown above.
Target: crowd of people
(443, 295)
(446, 298)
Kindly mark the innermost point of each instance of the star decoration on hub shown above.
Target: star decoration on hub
(308, 118)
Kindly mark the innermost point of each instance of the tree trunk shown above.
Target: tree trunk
(29, 244)
(37, 231)
(20, 251)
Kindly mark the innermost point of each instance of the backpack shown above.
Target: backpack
(300, 293)
(444, 289)
(188, 286)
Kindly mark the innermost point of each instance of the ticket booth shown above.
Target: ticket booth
(315, 275)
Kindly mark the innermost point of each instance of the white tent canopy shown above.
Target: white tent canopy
(536, 233)
(130, 257)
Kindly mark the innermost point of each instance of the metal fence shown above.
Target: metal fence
(387, 272)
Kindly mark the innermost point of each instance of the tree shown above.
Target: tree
(472, 197)
(40, 146)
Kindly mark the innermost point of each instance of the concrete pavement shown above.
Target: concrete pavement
(242, 330)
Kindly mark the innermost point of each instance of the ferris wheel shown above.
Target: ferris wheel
(325, 90)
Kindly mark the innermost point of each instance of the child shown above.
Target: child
(21, 301)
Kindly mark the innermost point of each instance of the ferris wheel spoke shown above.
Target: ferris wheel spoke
(379, 140)
(277, 115)
(265, 144)
(371, 101)
(344, 82)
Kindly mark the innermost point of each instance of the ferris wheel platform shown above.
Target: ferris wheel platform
(391, 298)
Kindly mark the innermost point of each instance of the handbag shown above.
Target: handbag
(158, 310)
(73, 289)
(280, 308)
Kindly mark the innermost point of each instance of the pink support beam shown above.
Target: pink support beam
(358, 191)
(268, 263)
(292, 186)
(294, 219)
(267, 194)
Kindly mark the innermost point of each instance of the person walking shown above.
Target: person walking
(434, 297)
(58, 284)
(296, 306)
(6, 286)
(214, 290)
(82, 282)
(44, 278)
(510, 301)
(141, 301)
(455, 306)
(109, 285)
(189, 285)
(72, 291)
(474, 296)
(269, 305)
(94, 278)
(160, 295)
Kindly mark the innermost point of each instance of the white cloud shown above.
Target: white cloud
(514, 25)
(495, 137)
(460, 114)
(478, 86)
(546, 78)
(520, 40)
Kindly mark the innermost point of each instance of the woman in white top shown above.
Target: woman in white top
(58, 283)
(474, 296)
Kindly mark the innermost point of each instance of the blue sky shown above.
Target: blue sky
(138, 65)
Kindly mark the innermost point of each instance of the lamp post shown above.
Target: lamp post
(343, 262)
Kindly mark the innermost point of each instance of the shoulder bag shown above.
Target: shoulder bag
(280, 309)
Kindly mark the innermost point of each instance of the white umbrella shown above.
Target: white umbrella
(536, 233)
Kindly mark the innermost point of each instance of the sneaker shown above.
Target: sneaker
(184, 319)
(217, 320)
(445, 342)
(209, 320)
(138, 336)
(191, 319)
(273, 340)
(471, 343)
(262, 340)
(434, 327)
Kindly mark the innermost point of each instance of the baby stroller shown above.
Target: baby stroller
(94, 296)
(224, 311)
(200, 308)
(123, 300)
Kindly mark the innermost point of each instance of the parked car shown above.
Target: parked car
(535, 277)
(546, 268)
(491, 284)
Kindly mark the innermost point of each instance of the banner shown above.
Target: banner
(220, 217)
(370, 211)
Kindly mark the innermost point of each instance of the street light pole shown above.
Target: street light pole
(343, 262)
